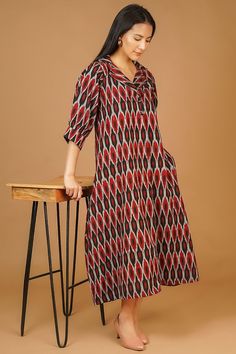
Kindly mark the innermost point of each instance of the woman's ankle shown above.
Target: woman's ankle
(126, 315)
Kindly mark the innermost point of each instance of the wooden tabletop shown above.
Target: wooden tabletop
(49, 191)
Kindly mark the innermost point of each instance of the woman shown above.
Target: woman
(137, 233)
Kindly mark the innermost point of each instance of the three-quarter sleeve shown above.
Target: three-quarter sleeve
(85, 105)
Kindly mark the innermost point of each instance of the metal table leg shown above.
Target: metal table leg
(102, 313)
(67, 298)
(28, 264)
(60, 343)
(74, 260)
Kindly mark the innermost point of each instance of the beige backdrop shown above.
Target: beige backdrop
(45, 45)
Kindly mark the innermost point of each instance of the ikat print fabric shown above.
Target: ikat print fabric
(137, 234)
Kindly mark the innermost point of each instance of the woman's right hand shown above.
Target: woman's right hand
(73, 189)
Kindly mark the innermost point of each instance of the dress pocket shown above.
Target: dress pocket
(169, 158)
(171, 168)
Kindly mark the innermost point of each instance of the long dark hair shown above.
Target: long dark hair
(124, 20)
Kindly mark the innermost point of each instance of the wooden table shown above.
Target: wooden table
(53, 191)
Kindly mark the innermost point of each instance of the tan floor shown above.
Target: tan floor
(191, 318)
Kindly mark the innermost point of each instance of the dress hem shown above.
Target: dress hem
(150, 294)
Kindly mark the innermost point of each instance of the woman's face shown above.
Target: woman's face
(136, 40)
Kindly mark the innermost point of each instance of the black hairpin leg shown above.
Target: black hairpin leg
(66, 297)
(60, 257)
(74, 257)
(102, 314)
(101, 305)
(28, 264)
(67, 301)
(73, 285)
(74, 260)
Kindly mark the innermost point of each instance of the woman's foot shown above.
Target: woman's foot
(125, 329)
(139, 331)
(141, 334)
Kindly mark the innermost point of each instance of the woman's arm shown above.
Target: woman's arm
(73, 189)
(82, 118)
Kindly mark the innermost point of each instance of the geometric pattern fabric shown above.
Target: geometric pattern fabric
(137, 234)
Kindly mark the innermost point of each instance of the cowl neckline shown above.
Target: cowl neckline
(140, 76)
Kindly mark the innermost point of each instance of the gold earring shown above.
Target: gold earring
(120, 43)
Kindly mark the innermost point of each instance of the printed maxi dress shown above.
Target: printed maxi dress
(137, 235)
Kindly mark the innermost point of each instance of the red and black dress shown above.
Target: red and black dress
(137, 234)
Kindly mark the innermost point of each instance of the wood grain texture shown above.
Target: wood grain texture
(49, 191)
